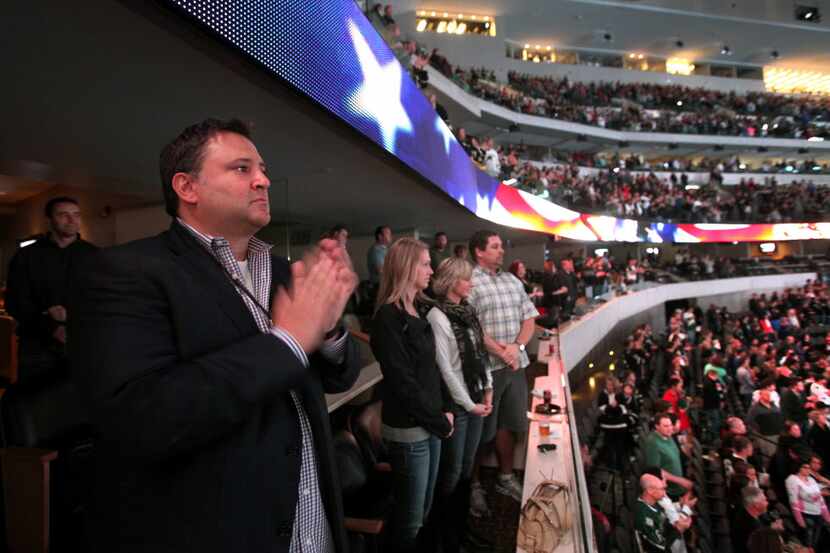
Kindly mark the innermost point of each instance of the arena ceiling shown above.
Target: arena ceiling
(752, 29)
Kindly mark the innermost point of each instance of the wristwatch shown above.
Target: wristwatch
(521, 346)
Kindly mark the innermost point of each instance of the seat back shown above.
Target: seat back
(365, 424)
(8, 350)
(48, 416)
(350, 463)
(47, 465)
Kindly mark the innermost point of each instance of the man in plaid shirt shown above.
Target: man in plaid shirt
(507, 317)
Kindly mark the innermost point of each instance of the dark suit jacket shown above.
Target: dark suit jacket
(199, 441)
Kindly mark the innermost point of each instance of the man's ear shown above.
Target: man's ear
(186, 188)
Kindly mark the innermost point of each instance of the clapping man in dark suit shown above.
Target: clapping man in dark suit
(205, 360)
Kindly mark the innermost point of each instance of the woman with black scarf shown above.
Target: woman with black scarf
(460, 353)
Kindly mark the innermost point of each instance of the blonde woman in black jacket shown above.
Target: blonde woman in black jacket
(417, 408)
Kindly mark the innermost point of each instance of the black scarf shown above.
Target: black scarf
(470, 340)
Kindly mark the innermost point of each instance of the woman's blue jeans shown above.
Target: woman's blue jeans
(458, 452)
(414, 473)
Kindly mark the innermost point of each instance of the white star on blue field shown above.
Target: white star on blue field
(379, 95)
(446, 133)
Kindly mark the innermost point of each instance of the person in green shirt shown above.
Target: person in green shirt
(714, 364)
(662, 451)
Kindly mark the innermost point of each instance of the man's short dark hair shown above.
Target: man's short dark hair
(379, 231)
(439, 234)
(50, 205)
(479, 241)
(660, 416)
(334, 231)
(187, 151)
(739, 443)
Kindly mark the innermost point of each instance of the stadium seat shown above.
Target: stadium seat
(46, 466)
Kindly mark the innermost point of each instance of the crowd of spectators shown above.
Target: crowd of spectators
(632, 194)
(743, 394)
(617, 191)
(643, 107)
(623, 194)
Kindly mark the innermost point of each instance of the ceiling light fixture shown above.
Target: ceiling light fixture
(679, 66)
(807, 14)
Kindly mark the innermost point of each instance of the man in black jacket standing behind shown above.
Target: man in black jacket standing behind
(205, 359)
(38, 290)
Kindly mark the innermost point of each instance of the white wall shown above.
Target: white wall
(586, 73)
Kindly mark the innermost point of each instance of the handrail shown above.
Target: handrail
(581, 483)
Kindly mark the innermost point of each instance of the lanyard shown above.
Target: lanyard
(241, 287)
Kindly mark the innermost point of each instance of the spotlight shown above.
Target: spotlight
(775, 54)
(726, 50)
(808, 14)
(608, 37)
(679, 44)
